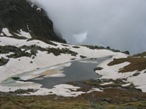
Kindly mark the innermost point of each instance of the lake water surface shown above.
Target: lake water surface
(78, 71)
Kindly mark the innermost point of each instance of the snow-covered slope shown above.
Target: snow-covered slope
(132, 75)
(26, 52)
(33, 58)
(25, 55)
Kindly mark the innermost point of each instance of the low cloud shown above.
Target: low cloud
(120, 24)
(80, 38)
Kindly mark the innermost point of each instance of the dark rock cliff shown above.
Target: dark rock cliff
(22, 14)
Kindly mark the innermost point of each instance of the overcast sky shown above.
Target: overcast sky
(120, 24)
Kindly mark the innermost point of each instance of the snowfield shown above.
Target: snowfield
(24, 34)
(31, 67)
(112, 72)
(20, 33)
(64, 90)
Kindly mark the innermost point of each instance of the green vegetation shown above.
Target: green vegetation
(15, 78)
(58, 51)
(100, 47)
(141, 54)
(3, 61)
(114, 96)
(76, 47)
(94, 47)
(126, 52)
(98, 68)
(53, 102)
(8, 49)
(136, 63)
(51, 43)
(19, 54)
(23, 51)
(65, 45)
(16, 37)
(21, 91)
(83, 56)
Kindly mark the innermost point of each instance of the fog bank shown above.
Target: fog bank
(120, 24)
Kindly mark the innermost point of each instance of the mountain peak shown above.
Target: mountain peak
(21, 16)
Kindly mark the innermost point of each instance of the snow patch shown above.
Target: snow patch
(45, 64)
(21, 65)
(32, 5)
(39, 9)
(6, 32)
(107, 83)
(21, 42)
(1, 34)
(139, 81)
(19, 85)
(125, 85)
(95, 90)
(112, 72)
(24, 34)
(64, 90)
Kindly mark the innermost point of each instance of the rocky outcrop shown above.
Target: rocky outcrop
(22, 15)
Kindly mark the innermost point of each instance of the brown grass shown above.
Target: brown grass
(136, 63)
(112, 97)
(109, 99)
(141, 54)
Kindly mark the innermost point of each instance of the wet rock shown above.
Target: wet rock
(107, 100)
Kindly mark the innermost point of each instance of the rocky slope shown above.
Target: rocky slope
(22, 19)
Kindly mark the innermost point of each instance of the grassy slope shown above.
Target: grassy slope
(112, 97)
(136, 63)
(53, 102)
